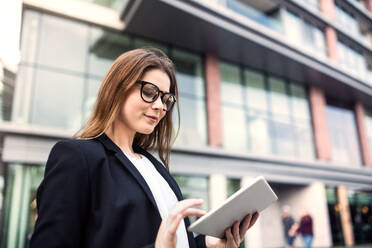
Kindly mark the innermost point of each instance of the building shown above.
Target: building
(279, 88)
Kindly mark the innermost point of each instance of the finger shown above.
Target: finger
(193, 212)
(236, 232)
(174, 223)
(254, 219)
(230, 238)
(244, 226)
(180, 211)
(181, 206)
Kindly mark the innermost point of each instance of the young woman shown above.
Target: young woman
(104, 189)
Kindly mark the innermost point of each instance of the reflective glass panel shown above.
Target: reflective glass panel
(193, 122)
(63, 43)
(20, 211)
(50, 104)
(194, 187)
(256, 95)
(104, 47)
(189, 73)
(368, 121)
(30, 31)
(231, 89)
(343, 134)
(234, 128)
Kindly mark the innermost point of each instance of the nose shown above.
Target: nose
(158, 104)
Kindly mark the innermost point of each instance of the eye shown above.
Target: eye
(149, 91)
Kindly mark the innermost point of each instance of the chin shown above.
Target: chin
(147, 130)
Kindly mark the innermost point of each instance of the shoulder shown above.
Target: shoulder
(86, 147)
(77, 150)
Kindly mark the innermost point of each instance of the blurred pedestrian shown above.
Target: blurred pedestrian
(289, 227)
(305, 228)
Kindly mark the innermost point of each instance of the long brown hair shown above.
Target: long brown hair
(123, 74)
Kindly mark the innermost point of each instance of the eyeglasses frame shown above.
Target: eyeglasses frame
(158, 94)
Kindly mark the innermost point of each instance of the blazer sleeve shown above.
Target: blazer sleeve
(200, 241)
(62, 199)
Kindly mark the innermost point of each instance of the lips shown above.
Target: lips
(152, 118)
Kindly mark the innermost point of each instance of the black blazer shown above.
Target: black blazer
(93, 196)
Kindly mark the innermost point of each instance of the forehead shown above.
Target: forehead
(159, 78)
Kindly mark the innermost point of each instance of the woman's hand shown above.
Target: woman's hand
(234, 235)
(167, 237)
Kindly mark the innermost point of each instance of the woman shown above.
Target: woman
(104, 189)
(305, 228)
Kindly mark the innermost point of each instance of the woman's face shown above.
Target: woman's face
(136, 114)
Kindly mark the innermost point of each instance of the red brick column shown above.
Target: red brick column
(364, 146)
(320, 124)
(214, 112)
(368, 5)
(327, 7)
(331, 42)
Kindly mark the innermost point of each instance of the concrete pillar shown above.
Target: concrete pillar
(320, 124)
(318, 207)
(364, 145)
(327, 7)
(347, 225)
(253, 238)
(214, 112)
(217, 189)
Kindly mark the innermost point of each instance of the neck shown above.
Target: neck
(122, 136)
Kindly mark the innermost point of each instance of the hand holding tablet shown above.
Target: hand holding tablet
(254, 197)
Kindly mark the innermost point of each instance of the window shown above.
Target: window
(305, 34)
(360, 212)
(194, 187)
(233, 114)
(193, 126)
(346, 21)
(368, 121)
(352, 61)
(343, 134)
(62, 57)
(264, 114)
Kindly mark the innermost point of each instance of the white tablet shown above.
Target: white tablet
(254, 197)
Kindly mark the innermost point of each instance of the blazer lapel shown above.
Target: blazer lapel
(109, 144)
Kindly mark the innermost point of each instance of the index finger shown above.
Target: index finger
(183, 205)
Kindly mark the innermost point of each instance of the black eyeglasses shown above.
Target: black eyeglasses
(150, 92)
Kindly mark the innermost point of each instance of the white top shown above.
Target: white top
(163, 194)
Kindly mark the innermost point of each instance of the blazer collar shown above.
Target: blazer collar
(110, 145)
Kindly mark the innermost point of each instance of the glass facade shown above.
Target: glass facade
(54, 67)
(233, 185)
(193, 126)
(269, 18)
(343, 135)
(305, 34)
(361, 215)
(351, 24)
(20, 205)
(265, 114)
(335, 216)
(351, 60)
(368, 122)
(193, 186)
(113, 4)
(313, 3)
